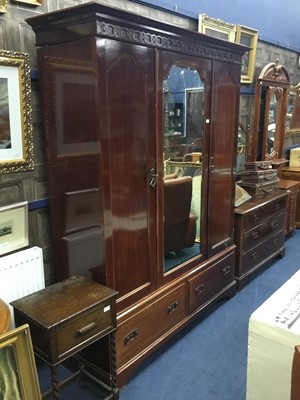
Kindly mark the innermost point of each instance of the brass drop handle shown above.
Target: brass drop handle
(85, 329)
(172, 307)
(255, 217)
(199, 289)
(255, 235)
(226, 270)
(254, 255)
(131, 336)
(275, 223)
(275, 241)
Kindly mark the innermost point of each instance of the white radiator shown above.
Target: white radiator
(21, 273)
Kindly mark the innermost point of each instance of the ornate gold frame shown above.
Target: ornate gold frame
(32, 2)
(18, 365)
(16, 154)
(3, 6)
(247, 37)
(216, 28)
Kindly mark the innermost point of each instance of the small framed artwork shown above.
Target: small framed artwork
(32, 2)
(247, 37)
(216, 28)
(82, 210)
(3, 6)
(18, 373)
(13, 227)
(16, 136)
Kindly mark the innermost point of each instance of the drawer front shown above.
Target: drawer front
(255, 235)
(80, 331)
(264, 250)
(145, 326)
(258, 216)
(209, 282)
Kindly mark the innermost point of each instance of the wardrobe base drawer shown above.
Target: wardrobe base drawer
(143, 327)
(209, 282)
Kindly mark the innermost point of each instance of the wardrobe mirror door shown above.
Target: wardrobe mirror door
(183, 113)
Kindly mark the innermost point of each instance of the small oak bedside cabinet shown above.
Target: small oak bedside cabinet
(64, 319)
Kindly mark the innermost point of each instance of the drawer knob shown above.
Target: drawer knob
(275, 223)
(275, 241)
(255, 235)
(256, 217)
(131, 336)
(199, 289)
(277, 207)
(172, 307)
(254, 255)
(86, 329)
(226, 270)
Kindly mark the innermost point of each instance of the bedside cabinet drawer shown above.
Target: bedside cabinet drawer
(256, 235)
(78, 332)
(209, 282)
(145, 326)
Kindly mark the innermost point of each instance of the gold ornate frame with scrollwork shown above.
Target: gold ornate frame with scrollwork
(3, 6)
(216, 28)
(16, 135)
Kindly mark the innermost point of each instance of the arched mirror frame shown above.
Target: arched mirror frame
(272, 80)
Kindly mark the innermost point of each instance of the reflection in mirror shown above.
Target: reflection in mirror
(183, 102)
(292, 132)
(271, 124)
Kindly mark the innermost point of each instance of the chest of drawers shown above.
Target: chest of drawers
(259, 233)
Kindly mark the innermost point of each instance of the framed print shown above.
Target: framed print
(18, 373)
(247, 37)
(70, 84)
(82, 210)
(3, 6)
(16, 137)
(13, 227)
(216, 28)
(32, 2)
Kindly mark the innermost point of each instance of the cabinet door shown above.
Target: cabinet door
(183, 99)
(223, 137)
(126, 80)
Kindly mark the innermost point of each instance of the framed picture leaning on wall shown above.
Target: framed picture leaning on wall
(247, 37)
(216, 28)
(16, 136)
(18, 373)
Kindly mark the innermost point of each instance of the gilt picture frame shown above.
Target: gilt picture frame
(16, 132)
(216, 28)
(247, 37)
(32, 2)
(3, 6)
(18, 373)
(13, 227)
